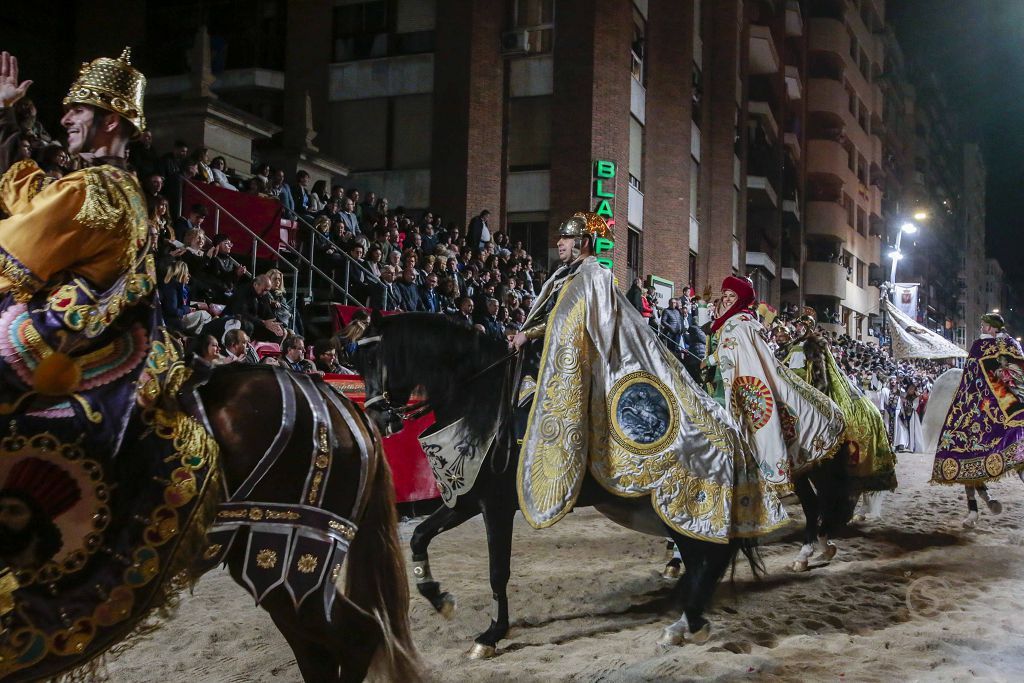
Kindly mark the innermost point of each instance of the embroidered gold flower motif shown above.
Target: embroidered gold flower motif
(266, 559)
(212, 551)
(306, 564)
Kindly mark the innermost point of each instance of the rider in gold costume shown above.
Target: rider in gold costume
(118, 478)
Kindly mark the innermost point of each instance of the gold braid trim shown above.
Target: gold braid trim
(24, 281)
(537, 331)
(113, 201)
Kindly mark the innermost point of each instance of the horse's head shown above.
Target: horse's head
(382, 392)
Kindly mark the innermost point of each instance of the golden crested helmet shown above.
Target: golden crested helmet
(111, 84)
(584, 223)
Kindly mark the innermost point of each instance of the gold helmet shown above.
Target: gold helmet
(584, 223)
(111, 84)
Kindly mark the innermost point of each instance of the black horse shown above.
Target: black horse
(462, 374)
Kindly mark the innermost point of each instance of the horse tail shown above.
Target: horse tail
(376, 578)
(752, 552)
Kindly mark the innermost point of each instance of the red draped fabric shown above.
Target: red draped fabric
(262, 215)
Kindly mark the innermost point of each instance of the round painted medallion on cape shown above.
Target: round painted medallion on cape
(752, 399)
(643, 414)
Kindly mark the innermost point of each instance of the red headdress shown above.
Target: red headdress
(744, 290)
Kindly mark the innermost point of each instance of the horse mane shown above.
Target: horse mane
(446, 358)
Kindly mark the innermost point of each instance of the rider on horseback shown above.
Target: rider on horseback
(86, 369)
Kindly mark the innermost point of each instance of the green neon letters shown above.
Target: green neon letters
(603, 197)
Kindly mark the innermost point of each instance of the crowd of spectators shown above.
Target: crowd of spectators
(394, 261)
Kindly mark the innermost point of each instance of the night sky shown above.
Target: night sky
(976, 47)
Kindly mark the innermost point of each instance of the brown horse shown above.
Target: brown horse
(366, 627)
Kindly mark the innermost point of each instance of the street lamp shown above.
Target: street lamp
(908, 228)
(995, 310)
(920, 215)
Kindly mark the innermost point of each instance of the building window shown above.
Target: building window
(361, 31)
(633, 254)
(861, 269)
(638, 47)
(636, 153)
(529, 133)
(537, 17)
(694, 189)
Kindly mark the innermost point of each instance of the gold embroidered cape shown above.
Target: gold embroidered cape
(612, 401)
(791, 424)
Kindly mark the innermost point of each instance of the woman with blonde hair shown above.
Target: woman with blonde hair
(277, 297)
(179, 313)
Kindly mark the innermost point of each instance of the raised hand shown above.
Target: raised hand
(10, 90)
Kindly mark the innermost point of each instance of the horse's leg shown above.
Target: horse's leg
(994, 506)
(442, 519)
(971, 520)
(706, 564)
(809, 502)
(498, 516)
(671, 570)
(316, 663)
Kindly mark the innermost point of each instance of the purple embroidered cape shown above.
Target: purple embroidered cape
(983, 435)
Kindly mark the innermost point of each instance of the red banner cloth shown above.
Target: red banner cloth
(410, 471)
(262, 215)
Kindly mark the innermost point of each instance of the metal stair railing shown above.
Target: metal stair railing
(367, 274)
(256, 241)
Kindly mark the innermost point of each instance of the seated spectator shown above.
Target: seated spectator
(493, 327)
(318, 197)
(219, 168)
(201, 158)
(227, 273)
(387, 298)
(280, 190)
(430, 298)
(293, 355)
(142, 156)
(53, 160)
(367, 209)
(193, 219)
(207, 353)
(301, 196)
(348, 216)
(278, 299)
(449, 294)
(249, 306)
(263, 176)
(409, 290)
(152, 186)
(237, 348)
(179, 313)
(463, 311)
(345, 341)
(373, 260)
(326, 359)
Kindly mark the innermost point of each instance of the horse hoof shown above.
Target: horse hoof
(994, 506)
(702, 636)
(799, 565)
(670, 638)
(971, 520)
(670, 572)
(481, 651)
(448, 604)
(859, 518)
(828, 553)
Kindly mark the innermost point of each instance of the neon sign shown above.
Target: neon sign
(604, 206)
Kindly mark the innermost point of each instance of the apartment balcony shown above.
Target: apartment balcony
(824, 279)
(876, 150)
(763, 110)
(828, 35)
(791, 276)
(826, 157)
(827, 219)
(794, 19)
(760, 192)
(794, 85)
(824, 94)
(793, 143)
(764, 57)
(876, 201)
(759, 259)
(792, 207)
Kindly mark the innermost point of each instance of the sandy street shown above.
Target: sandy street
(912, 597)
